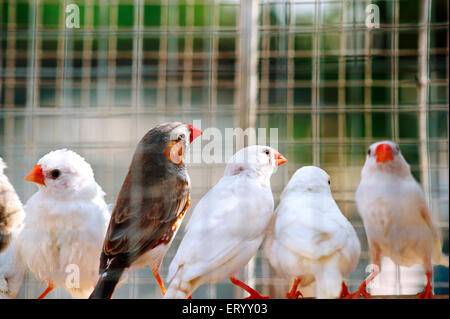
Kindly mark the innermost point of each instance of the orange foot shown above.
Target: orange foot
(253, 293)
(293, 293)
(361, 292)
(427, 293)
(256, 295)
(159, 280)
(46, 291)
(344, 291)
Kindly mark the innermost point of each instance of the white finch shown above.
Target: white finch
(12, 269)
(227, 225)
(396, 218)
(11, 210)
(65, 223)
(311, 240)
(11, 217)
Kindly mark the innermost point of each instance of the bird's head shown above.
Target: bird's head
(179, 139)
(61, 173)
(386, 156)
(170, 139)
(262, 160)
(309, 179)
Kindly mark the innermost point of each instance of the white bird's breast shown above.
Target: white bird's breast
(391, 211)
(225, 230)
(309, 232)
(59, 233)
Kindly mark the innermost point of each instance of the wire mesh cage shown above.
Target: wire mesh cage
(330, 83)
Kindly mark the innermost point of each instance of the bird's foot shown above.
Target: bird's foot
(294, 295)
(344, 291)
(361, 292)
(159, 280)
(253, 293)
(46, 291)
(427, 293)
(256, 295)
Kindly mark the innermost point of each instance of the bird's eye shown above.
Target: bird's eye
(267, 152)
(329, 183)
(397, 148)
(55, 173)
(368, 152)
(181, 137)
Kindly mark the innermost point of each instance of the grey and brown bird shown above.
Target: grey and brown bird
(150, 207)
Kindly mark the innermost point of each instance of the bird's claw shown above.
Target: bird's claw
(257, 295)
(425, 294)
(357, 295)
(294, 295)
(344, 291)
(361, 292)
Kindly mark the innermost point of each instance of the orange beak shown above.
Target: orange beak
(35, 175)
(384, 153)
(280, 159)
(195, 132)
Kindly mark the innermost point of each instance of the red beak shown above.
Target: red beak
(35, 175)
(384, 153)
(280, 159)
(195, 132)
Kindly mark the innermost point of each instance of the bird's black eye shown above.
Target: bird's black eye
(368, 152)
(329, 183)
(267, 152)
(55, 173)
(181, 137)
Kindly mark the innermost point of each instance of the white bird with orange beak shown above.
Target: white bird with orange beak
(395, 215)
(228, 224)
(65, 223)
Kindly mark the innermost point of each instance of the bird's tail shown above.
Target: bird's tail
(108, 281)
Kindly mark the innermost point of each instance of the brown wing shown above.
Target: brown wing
(143, 218)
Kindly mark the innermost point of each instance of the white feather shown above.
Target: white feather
(227, 226)
(11, 266)
(394, 211)
(311, 239)
(12, 270)
(65, 225)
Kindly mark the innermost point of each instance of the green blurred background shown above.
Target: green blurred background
(329, 84)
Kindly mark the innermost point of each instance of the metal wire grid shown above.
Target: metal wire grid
(96, 67)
